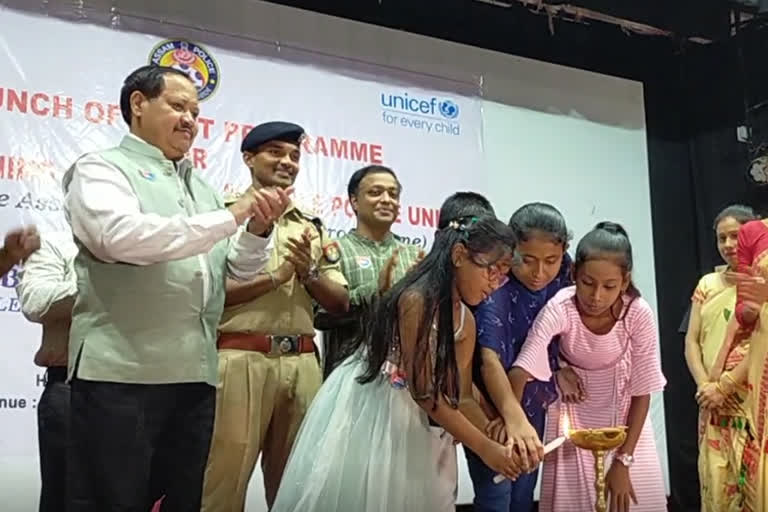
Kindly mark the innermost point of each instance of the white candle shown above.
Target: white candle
(554, 444)
(548, 448)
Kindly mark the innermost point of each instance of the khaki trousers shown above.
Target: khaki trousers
(261, 400)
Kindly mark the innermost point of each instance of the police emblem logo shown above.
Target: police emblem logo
(331, 252)
(189, 58)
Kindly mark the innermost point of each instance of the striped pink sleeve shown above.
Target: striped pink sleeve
(533, 358)
(646, 376)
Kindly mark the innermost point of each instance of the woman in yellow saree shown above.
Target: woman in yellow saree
(713, 351)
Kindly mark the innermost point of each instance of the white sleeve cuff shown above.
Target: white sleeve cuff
(248, 255)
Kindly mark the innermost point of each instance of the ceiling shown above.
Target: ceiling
(709, 19)
(699, 20)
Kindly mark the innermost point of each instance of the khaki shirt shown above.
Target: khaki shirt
(288, 309)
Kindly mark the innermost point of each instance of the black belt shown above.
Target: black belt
(56, 374)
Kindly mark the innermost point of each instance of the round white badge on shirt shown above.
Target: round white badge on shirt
(364, 261)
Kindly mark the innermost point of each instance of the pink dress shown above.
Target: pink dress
(613, 367)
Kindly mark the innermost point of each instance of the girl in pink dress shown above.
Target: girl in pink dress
(608, 338)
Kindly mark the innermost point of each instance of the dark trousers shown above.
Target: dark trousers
(53, 437)
(133, 443)
(505, 496)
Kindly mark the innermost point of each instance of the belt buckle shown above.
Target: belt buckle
(285, 344)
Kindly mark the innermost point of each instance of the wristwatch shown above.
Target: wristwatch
(625, 459)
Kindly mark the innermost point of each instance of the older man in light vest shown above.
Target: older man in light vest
(154, 254)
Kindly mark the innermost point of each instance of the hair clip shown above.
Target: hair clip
(462, 223)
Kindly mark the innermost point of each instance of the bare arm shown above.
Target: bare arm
(737, 375)
(328, 287)
(496, 456)
(360, 297)
(500, 388)
(240, 293)
(332, 296)
(693, 348)
(638, 411)
(463, 431)
(465, 349)
(487, 407)
(518, 378)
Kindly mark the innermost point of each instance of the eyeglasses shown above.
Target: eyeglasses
(496, 272)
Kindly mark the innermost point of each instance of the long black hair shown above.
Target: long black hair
(608, 241)
(432, 281)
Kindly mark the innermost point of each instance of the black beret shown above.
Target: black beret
(274, 130)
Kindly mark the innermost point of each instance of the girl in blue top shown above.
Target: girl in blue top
(541, 268)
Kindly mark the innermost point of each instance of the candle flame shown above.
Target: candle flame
(566, 425)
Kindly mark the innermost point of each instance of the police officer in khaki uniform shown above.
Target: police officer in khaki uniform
(268, 370)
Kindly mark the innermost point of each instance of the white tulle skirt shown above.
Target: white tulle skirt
(367, 448)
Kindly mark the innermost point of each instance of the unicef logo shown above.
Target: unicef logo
(430, 114)
(449, 109)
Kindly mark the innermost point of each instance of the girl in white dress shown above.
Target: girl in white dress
(366, 443)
